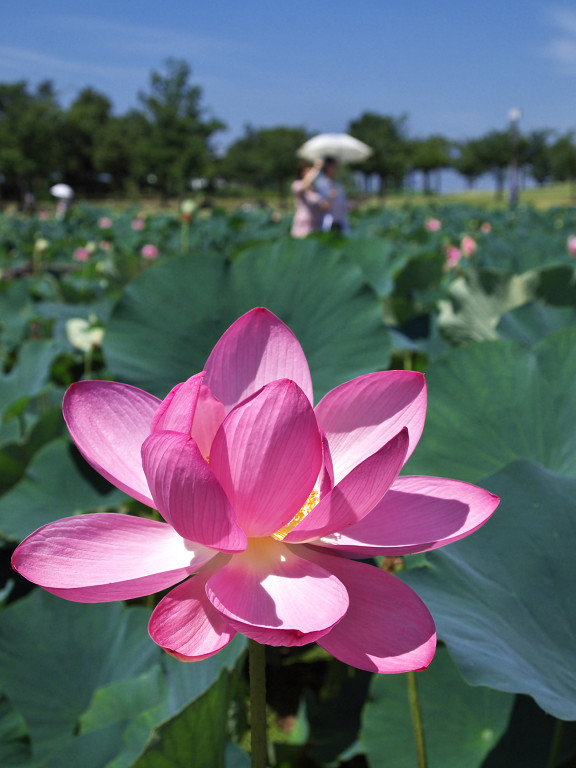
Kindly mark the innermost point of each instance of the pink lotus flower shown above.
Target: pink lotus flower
(81, 254)
(468, 245)
(138, 225)
(267, 500)
(433, 225)
(571, 245)
(453, 256)
(486, 227)
(104, 222)
(149, 251)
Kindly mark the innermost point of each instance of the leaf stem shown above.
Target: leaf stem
(257, 671)
(556, 744)
(416, 719)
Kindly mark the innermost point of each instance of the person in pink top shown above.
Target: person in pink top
(310, 207)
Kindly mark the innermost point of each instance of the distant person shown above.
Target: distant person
(310, 207)
(335, 217)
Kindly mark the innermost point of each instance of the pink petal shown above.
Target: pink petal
(416, 515)
(101, 557)
(109, 422)
(257, 349)
(356, 495)
(360, 416)
(387, 628)
(186, 625)
(176, 411)
(326, 479)
(209, 415)
(267, 456)
(273, 596)
(187, 494)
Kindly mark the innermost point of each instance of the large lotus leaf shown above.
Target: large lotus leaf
(379, 259)
(534, 321)
(196, 738)
(324, 300)
(168, 319)
(17, 310)
(15, 456)
(461, 723)
(503, 599)
(55, 654)
(30, 374)
(492, 403)
(529, 739)
(522, 251)
(166, 323)
(478, 299)
(57, 483)
(85, 674)
(14, 742)
(557, 285)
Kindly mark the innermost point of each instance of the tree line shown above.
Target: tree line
(167, 144)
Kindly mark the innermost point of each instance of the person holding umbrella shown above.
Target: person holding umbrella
(333, 148)
(335, 217)
(309, 204)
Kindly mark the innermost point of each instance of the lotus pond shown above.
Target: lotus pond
(483, 302)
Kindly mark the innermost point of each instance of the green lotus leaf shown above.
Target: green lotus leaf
(503, 599)
(462, 723)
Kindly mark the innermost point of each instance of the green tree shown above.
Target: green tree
(428, 155)
(468, 161)
(496, 150)
(84, 125)
(264, 157)
(121, 151)
(30, 135)
(387, 135)
(176, 145)
(563, 161)
(536, 155)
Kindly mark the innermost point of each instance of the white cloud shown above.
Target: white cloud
(561, 49)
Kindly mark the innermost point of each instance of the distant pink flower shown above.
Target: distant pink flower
(433, 225)
(571, 245)
(104, 245)
(486, 227)
(268, 501)
(104, 222)
(43, 215)
(138, 224)
(453, 256)
(149, 251)
(81, 254)
(468, 245)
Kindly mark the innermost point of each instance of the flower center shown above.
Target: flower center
(311, 502)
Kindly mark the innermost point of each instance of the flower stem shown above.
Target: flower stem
(257, 670)
(556, 744)
(416, 719)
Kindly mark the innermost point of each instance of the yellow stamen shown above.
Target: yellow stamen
(311, 502)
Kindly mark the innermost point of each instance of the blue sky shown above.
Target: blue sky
(455, 68)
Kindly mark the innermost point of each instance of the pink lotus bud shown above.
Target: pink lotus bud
(138, 225)
(104, 222)
(81, 254)
(486, 227)
(433, 225)
(453, 256)
(468, 245)
(149, 251)
(571, 245)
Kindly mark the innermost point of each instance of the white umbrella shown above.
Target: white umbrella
(340, 146)
(63, 191)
